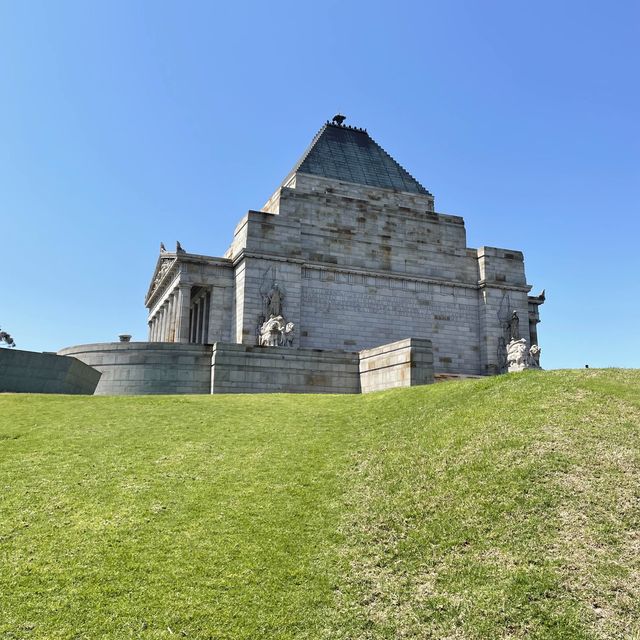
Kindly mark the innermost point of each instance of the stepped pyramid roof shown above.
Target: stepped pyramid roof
(349, 154)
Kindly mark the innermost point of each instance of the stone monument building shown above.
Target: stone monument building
(347, 255)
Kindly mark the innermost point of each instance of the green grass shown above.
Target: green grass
(497, 508)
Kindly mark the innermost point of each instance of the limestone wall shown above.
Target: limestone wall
(141, 368)
(244, 369)
(33, 372)
(365, 266)
(360, 267)
(352, 310)
(405, 363)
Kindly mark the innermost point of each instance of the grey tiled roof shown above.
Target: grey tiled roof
(347, 153)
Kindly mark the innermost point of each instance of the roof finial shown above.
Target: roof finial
(339, 119)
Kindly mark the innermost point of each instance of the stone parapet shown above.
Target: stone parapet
(33, 372)
(238, 368)
(142, 368)
(404, 363)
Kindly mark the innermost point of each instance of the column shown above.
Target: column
(206, 314)
(171, 323)
(203, 322)
(163, 322)
(219, 322)
(182, 313)
(167, 328)
(197, 318)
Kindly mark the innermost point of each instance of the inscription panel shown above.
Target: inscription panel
(341, 313)
(330, 300)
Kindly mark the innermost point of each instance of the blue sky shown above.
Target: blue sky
(126, 123)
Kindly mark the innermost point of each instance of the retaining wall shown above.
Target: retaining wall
(404, 363)
(141, 368)
(34, 372)
(239, 368)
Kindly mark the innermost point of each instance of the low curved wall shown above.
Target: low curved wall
(142, 368)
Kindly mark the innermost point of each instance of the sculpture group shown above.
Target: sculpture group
(519, 355)
(275, 331)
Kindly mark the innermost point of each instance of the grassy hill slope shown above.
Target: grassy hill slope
(505, 507)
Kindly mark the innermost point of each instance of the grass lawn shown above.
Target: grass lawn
(505, 507)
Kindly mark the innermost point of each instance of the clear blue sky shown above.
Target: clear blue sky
(126, 123)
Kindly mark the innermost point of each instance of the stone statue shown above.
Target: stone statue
(288, 335)
(534, 356)
(275, 298)
(517, 355)
(276, 333)
(271, 331)
(514, 326)
(164, 267)
(520, 357)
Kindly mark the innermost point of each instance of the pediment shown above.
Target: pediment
(163, 266)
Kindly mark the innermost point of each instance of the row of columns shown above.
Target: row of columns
(170, 323)
(199, 319)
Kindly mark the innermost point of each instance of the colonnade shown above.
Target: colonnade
(170, 323)
(199, 318)
(181, 319)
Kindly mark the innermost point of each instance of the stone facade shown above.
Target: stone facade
(346, 280)
(362, 260)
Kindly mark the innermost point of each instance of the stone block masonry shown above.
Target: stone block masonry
(405, 363)
(361, 257)
(238, 368)
(140, 368)
(33, 372)
(348, 254)
(144, 368)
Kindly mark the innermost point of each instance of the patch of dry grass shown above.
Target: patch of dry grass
(505, 508)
